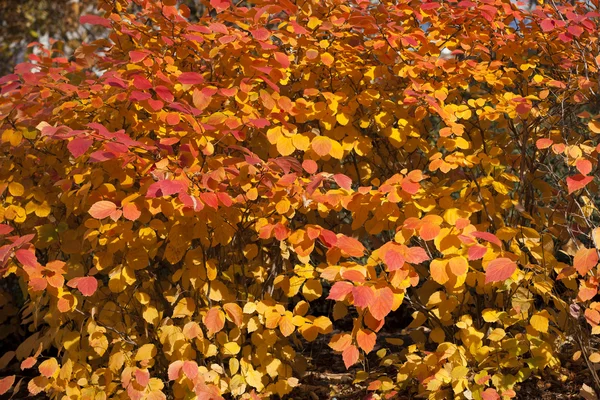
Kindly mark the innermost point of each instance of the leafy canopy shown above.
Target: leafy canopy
(181, 198)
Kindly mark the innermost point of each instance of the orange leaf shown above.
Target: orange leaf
(458, 265)
(131, 212)
(102, 209)
(382, 303)
(340, 341)
(363, 296)
(350, 356)
(321, 145)
(543, 143)
(437, 270)
(350, 246)
(584, 260)
(499, 269)
(583, 166)
(214, 320)
(366, 340)
(234, 312)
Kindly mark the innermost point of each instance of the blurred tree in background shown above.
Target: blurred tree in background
(26, 21)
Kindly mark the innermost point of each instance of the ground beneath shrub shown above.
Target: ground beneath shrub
(329, 379)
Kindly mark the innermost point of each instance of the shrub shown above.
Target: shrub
(178, 198)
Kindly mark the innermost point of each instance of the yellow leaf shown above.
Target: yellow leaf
(254, 379)
(300, 142)
(184, 308)
(146, 352)
(312, 289)
(539, 322)
(16, 189)
(285, 146)
(231, 348)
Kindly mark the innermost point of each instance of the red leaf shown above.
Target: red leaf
(210, 199)
(366, 340)
(102, 209)
(94, 20)
(547, 25)
(583, 166)
(79, 146)
(393, 259)
(220, 5)
(137, 56)
(363, 296)
(87, 285)
(350, 246)
(5, 229)
(26, 257)
(584, 260)
(499, 269)
(575, 30)
(490, 394)
(343, 181)
(415, 255)
(350, 356)
(190, 78)
(310, 166)
(576, 182)
(142, 377)
(489, 237)
(382, 303)
(340, 290)
(476, 252)
(175, 370)
(166, 187)
(28, 363)
(190, 369)
(6, 383)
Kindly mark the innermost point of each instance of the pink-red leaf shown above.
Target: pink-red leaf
(6, 383)
(79, 146)
(363, 295)
(340, 290)
(499, 269)
(94, 20)
(576, 182)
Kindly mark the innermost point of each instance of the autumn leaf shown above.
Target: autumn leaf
(6, 383)
(102, 209)
(366, 340)
(585, 260)
(350, 356)
(499, 269)
(381, 303)
(214, 320)
(577, 182)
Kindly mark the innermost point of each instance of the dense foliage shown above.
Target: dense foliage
(182, 199)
